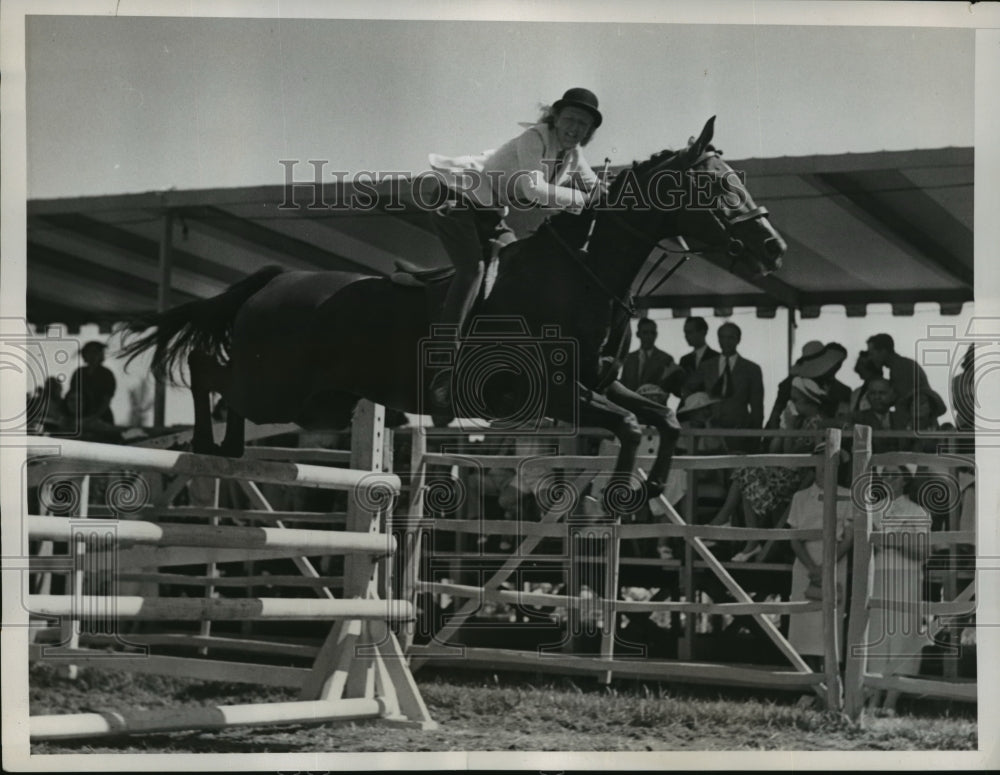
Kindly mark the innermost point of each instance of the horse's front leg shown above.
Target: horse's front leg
(660, 417)
(624, 494)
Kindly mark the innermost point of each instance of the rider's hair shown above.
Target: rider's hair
(549, 116)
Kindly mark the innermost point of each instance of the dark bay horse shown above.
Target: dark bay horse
(304, 347)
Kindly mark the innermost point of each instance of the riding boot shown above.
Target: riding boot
(465, 231)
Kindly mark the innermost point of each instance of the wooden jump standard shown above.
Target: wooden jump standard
(358, 673)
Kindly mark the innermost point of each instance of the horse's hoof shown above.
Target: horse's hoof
(653, 489)
(210, 448)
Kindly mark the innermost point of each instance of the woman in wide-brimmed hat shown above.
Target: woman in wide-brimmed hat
(541, 167)
(762, 493)
(820, 363)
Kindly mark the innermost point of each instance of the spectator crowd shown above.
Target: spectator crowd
(725, 389)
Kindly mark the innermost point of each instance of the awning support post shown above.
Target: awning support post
(162, 305)
(792, 325)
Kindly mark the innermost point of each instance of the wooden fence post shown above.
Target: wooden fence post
(831, 618)
(412, 544)
(856, 648)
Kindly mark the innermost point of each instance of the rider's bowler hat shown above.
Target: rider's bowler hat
(580, 98)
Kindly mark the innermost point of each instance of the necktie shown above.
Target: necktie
(642, 363)
(722, 387)
(557, 166)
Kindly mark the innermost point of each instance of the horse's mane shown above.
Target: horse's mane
(638, 168)
(641, 167)
(573, 228)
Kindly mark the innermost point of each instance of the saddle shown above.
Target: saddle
(413, 276)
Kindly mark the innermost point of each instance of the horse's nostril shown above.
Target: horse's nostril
(775, 248)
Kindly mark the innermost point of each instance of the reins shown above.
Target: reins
(726, 223)
(576, 255)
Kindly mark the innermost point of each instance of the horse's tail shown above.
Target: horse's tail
(204, 325)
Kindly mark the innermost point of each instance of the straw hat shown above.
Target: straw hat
(696, 401)
(652, 392)
(937, 405)
(817, 359)
(809, 389)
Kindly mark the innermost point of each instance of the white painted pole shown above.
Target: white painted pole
(228, 609)
(309, 542)
(172, 462)
(72, 725)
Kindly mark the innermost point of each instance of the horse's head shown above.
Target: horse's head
(701, 197)
(722, 211)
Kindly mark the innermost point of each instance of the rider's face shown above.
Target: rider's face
(572, 125)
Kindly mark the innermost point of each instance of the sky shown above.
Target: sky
(139, 104)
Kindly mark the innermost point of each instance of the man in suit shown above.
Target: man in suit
(648, 365)
(738, 384)
(695, 331)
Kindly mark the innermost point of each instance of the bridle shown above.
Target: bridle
(726, 219)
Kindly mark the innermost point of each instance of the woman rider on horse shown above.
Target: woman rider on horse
(543, 166)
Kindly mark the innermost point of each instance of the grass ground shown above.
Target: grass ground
(514, 712)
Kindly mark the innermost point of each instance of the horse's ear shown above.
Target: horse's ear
(705, 137)
(696, 146)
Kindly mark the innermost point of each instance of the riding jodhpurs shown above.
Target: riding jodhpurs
(465, 230)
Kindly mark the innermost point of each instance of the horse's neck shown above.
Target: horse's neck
(618, 248)
(539, 280)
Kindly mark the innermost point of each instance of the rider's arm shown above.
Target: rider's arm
(583, 174)
(531, 177)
